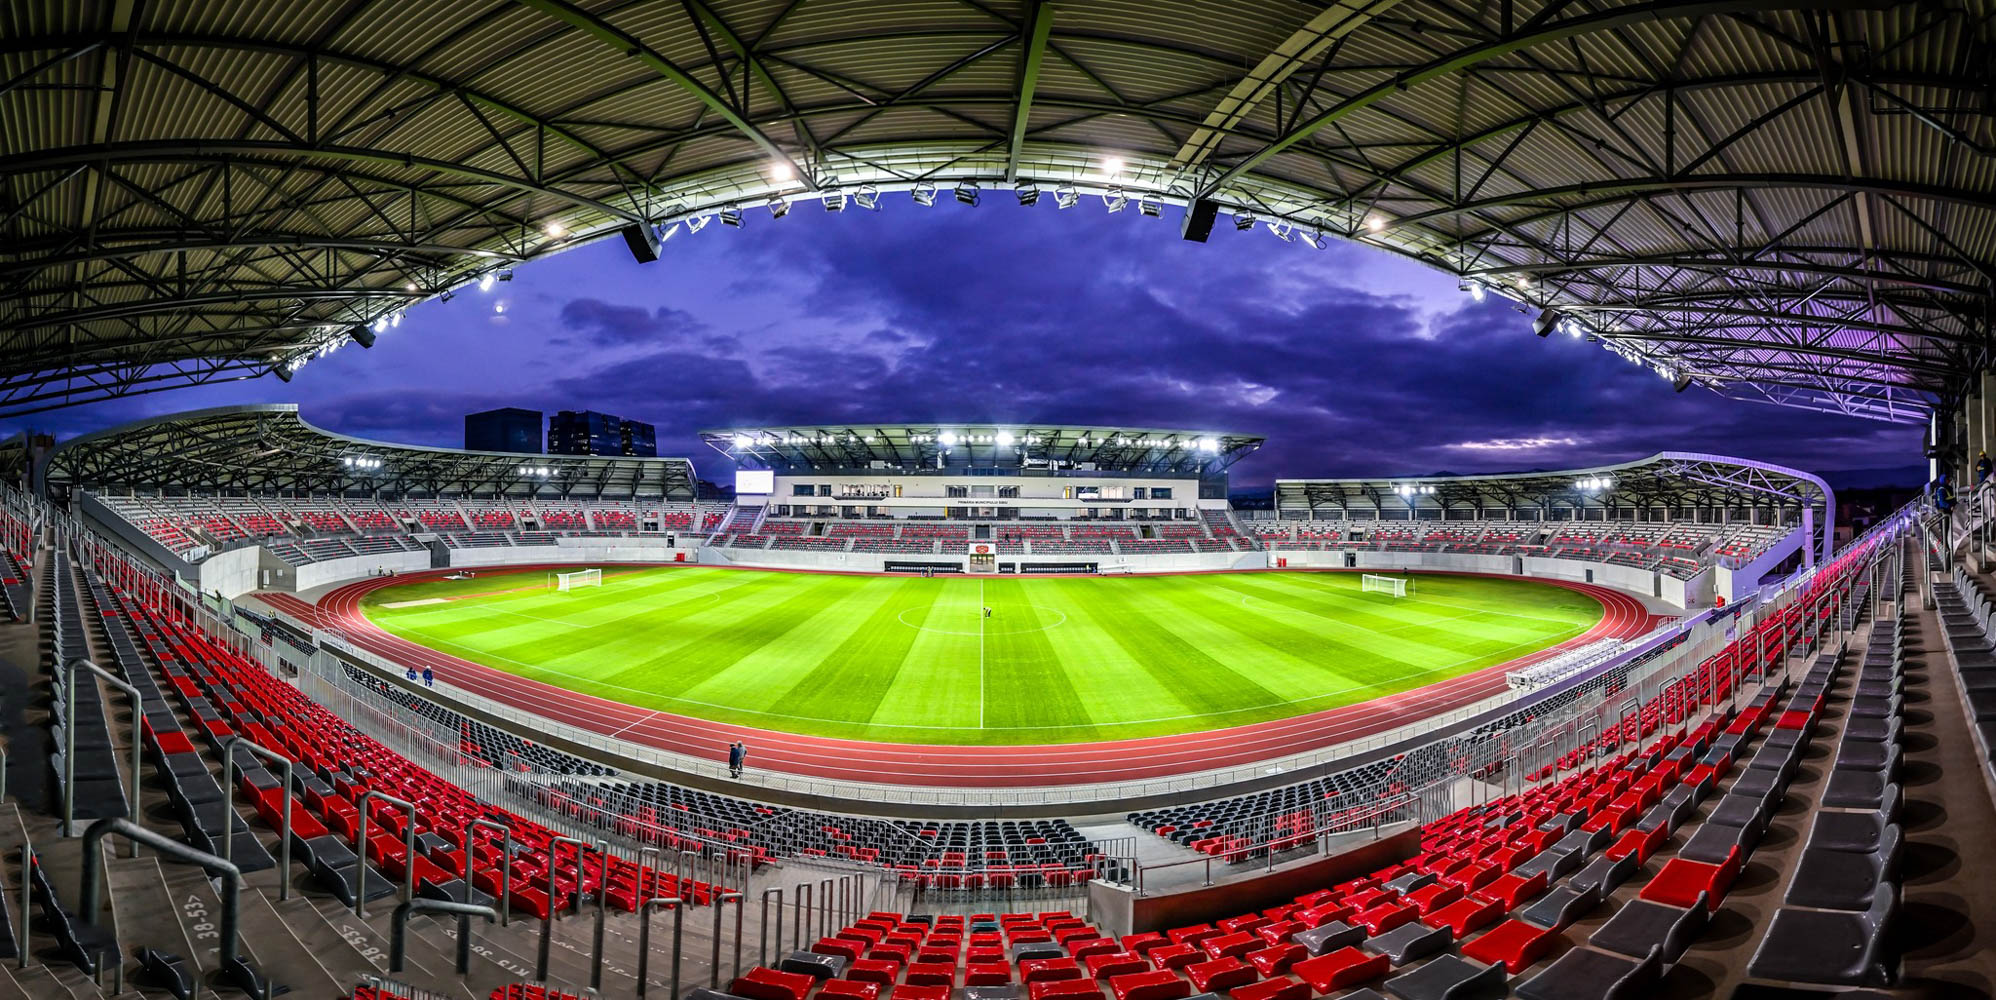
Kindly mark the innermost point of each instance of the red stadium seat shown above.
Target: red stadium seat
(1513, 944)
(1220, 974)
(1341, 968)
(1157, 984)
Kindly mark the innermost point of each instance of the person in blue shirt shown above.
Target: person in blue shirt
(737, 754)
(429, 677)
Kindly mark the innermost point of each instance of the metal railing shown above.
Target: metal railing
(398, 932)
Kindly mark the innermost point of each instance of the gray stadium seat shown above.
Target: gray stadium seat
(1323, 940)
(1586, 974)
(1820, 946)
(1641, 925)
(1448, 978)
(1560, 907)
(1409, 942)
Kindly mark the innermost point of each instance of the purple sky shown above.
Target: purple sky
(1351, 360)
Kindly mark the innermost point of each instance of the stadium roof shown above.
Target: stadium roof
(270, 447)
(1666, 479)
(1003, 446)
(1778, 199)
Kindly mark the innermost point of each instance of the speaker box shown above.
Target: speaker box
(1199, 218)
(642, 241)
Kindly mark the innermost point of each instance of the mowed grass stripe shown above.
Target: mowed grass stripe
(863, 664)
(1027, 685)
(934, 687)
(1201, 682)
(1067, 659)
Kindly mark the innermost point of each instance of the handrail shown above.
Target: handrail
(398, 931)
(230, 772)
(721, 899)
(23, 934)
(232, 883)
(762, 952)
(360, 847)
(553, 900)
(644, 938)
(602, 896)
(468, 845)
(69, 739)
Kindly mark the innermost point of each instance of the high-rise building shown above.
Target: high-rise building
(508, 428)
(640, 439)
(587, 432)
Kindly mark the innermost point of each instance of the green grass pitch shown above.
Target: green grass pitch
(914, 660)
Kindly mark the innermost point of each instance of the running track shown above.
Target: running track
(338, 611)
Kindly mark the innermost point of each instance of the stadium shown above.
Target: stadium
(952, 707)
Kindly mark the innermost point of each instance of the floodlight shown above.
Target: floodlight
(1475, 289)
(1209, 445)
(396, 320)
(925, 194)
(1065, 196)
(948, 438)
(966, 192)
(1005, 439)
(499, 307)
(731, 215)
(1681, 382)
(1243, 221)
(411, 286)
(868, 197)
(1029, 193)
(1314, 238)
(1112, 166)
(380, 324)
(1547, 320)
(778, 208)
(834, 200)
(780, 171)
(698, 222)
(744, 441)
(1375, 223)
(666, 233)
(485, 281)
(1149, 207)
(1281, 230)
(1114, 199)
(555, 230)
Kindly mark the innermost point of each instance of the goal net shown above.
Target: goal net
(1397, 586)
(574, 579)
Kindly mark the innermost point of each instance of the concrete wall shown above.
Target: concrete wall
(353, 567)
(580, 551)
(876, 562)
(1695, 592)
(232, 573)
(1118, 911)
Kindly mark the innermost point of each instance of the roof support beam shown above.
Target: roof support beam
(1586, 24)
(609, 34)
(1039, 26)
(1303, 47)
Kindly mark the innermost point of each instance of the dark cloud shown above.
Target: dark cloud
(594, 321)
(1351, 362)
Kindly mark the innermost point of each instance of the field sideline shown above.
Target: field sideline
(904, 659)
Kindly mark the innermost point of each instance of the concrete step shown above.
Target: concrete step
(268, 943)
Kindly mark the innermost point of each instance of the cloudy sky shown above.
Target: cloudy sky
(1350, 360)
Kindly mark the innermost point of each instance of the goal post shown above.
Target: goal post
(1372, 583)
(575, 578)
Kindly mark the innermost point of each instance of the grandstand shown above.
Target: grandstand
(1765, 769)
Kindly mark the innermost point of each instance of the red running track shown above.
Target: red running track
(338, 611)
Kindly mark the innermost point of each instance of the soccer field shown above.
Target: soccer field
(915, 660)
